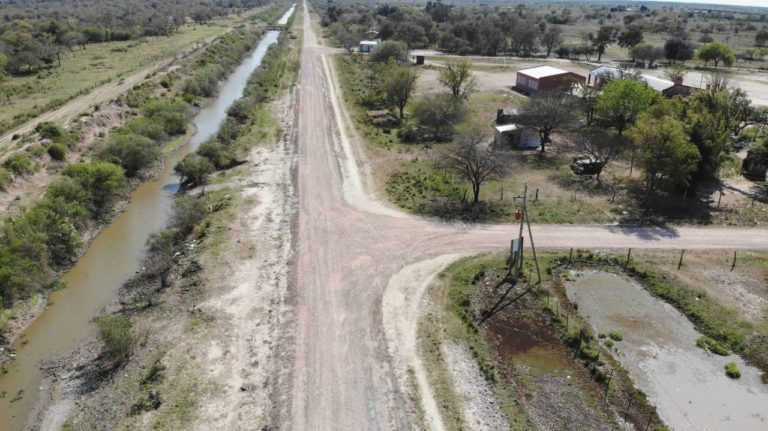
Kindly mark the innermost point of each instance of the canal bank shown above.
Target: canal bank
(113, 256)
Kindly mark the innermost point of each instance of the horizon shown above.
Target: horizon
(747, 3)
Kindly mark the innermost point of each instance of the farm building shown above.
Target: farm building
(368, 45)
(542, 78)
(510, 136)
(600, 74)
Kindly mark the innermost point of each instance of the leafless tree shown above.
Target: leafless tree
(598, 145)
(475, 161)
(548, 112)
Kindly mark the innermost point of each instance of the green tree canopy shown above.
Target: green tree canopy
(397, 85)
(622, 101)
(667, 154)
(716, 52)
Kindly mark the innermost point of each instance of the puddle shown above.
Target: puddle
(688, 385)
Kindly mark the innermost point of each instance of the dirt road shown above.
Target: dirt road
(345, 374)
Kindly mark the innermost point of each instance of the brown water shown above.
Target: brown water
(113, 256)
(688, 385)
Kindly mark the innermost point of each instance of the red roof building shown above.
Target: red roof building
(542, 78)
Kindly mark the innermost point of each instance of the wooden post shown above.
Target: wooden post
(632, 161)
(608, 384)
(501, 198)
(570, 255)
(626, 413)
(648, 426)
(578, 347)
(566, 324)
(520, 234)
(537, 195)
(629, 256)
(533, 246)
(680, 263)
(719, 198)
(733, 265)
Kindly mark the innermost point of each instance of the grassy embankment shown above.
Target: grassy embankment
(46, 238)
(410, 180)
(530, 352)
(157, 384)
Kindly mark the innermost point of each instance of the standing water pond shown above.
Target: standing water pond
(112, 257)
(687, 385)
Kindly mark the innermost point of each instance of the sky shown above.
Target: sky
(761, 3)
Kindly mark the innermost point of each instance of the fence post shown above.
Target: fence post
(733, 265)
(629, 256)
(680, 263)
(570, 255)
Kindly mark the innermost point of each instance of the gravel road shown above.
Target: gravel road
(346, 375)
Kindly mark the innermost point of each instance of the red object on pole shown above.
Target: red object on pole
(518, 215)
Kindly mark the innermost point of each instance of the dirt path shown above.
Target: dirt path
(345, 373)
(99, 95)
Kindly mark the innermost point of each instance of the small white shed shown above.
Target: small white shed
(368, 46)
(514, 136)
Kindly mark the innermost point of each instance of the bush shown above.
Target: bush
(115, 332)
(615, 336)
(5, 179)
(390, 51)
(48, 130)
(36, 150)
(732, 370)
(713, 346)
(132, 152)
(100, 180)
(171, 115)
(19, 164)
(194, 169)
(145, 127)
(221, 156)
(57, 151)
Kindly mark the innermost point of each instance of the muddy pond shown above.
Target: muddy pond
(112, 257)
(687, 385)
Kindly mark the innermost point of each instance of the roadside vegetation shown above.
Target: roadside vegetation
(47, 236)
(155, 385)
(534, 357)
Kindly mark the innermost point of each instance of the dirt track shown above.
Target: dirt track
(348, 372)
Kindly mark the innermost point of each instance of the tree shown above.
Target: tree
(716, 52)
(552, 38)
(475, 162)
(605, 36)
(439, 113)
(598, 145)
(630, 36)
(390, 51)
(622, 102)
(458, 78)
(193, 169)
(397, 85)
(645, 52)
(548, 112)
(678, 49)
(667, 153)
(761, 37)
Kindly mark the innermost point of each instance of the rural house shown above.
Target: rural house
(368, 46)
(510, 136)
(540, 78)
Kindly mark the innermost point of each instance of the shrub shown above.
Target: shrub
(100, 180)
(713, 346)
(732, 370)
(170, 114)
(5, 179)
(36, 150)
(132, 152)
(57, 151)
(145, 127)
(115, 332)
(19, 164)
(194, 169)
(48, 130)
(390, 51)
(615, 336)
(221, 156)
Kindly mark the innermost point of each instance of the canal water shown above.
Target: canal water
(687, 385)
(112, 257)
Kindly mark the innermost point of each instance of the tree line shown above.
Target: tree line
(520, 31)
(36, 35)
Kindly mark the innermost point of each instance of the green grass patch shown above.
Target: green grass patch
(732, 370)
(713, 346)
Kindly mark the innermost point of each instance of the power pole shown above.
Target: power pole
(520, 234)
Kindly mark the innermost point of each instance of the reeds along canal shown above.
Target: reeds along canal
(112, 257)
(687, 385)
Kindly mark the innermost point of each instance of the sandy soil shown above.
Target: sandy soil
(349, 247)
(478, 402)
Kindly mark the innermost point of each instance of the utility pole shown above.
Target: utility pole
(520, 234)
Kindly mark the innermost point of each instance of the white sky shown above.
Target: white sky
(761, 3)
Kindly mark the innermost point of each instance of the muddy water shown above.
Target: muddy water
(687, 385)
(113, 256)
